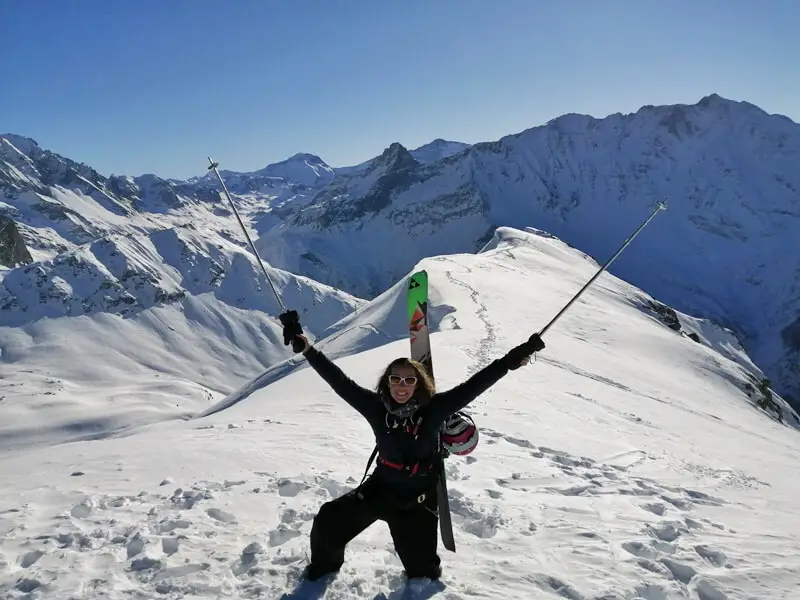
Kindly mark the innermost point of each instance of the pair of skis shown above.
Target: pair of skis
(419, 335)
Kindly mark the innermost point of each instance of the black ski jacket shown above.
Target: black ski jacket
(408, 449)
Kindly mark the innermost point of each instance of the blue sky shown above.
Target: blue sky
(155, 86)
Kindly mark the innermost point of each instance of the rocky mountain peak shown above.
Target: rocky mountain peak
(395, 158)
(13, 251)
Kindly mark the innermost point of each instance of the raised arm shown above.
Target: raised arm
(446, 403)
(363, 400)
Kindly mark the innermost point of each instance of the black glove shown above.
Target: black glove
(535, 343)
(291, 329)
(515, 357)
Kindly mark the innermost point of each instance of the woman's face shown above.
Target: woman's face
(402, 383)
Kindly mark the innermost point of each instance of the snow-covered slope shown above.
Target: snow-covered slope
(726, 249)
(57, 203)
(138, 330)
(626, 463)
(137, 288)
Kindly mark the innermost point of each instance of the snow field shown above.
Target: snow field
(626, 463)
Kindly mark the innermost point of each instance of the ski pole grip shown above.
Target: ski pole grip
(535, 343)
(291, 329)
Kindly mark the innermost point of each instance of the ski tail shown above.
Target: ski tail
(419, 336)
(445, 520)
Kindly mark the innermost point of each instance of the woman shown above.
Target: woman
(406, 414)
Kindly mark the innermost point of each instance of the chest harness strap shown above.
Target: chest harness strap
(411, 427)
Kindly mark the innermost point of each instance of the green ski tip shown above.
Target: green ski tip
(417, 291)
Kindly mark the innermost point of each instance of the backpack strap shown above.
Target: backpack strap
(369, 463)
(438, 460)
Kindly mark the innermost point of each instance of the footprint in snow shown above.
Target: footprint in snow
(182, 571)
(282, 534)
(625, 460)
(169, 525)
(703, 498)
(707, 591)
(146, 563)
(169, 545)
(574, 490)
(473, 520)
(715, 557)
(667, 531)
(75, 540)
(680, 498)
(333, 488)
(715, 524)
(248, 560)
(555, 585)
(494, 436)
(27, 585)
(186, 499)
(289, 559)
(654, 567)
(296, 519)
(657, 508)
(662, 555)
(29, 558)
(596, 480)
(520, 442)
(654, 549)
(652, 591)
(415, 590)
(221, 516)
(135, 545)
(290, 526)
(287, 487)
(453, 470)
(565, 459)
(682, 572)
(519, 482)
(678, 503)
(80, 511)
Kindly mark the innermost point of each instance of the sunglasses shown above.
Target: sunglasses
(397, 380)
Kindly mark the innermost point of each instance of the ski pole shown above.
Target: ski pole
(661, 205)
(288, 318)
(213, 167)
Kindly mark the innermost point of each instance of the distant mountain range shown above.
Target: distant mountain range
(77, 242)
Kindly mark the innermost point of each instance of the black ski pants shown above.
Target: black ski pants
(412, 525)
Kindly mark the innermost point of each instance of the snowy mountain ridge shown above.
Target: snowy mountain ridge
(382, 320)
